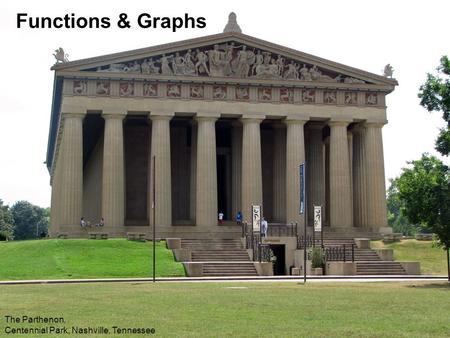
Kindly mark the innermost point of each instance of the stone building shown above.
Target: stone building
(228, 118)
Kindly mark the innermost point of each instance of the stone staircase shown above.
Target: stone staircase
(229, 269)
(379, 268)
(367, 260)
(220, 257)
(226, 257)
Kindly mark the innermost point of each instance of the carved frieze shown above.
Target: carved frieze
(219, 92)
(371, 99)
(80, 87)
(265, 94)
(308, 95)
(226, 92)
(173, 90)
(242, 93)
(287, 95)
(330, 97)
(228, 59)
(150, 89)
(350, 98)
(103, 88)
(126, 89)
(196, 92)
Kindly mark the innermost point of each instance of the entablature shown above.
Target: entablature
(240, 91)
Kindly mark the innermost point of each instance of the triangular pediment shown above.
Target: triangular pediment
(226, 55)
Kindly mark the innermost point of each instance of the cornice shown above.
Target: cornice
(224, 80)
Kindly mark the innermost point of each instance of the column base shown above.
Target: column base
(383, 230)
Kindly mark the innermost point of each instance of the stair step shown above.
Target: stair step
(379, 268)
(221, 257)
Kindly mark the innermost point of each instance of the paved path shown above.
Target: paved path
(292, 279)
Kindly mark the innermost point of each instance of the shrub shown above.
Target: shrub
(317, 258)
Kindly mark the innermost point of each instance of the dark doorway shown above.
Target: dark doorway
(136, 148)
(222, 185)
(279, 268)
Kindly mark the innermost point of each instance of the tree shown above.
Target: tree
(424, 190)
(6, 222)
(435, 96)
(396, 219)
(30, 220)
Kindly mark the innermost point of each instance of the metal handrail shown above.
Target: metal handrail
(339, 253)
(253, 241)
(285, 230)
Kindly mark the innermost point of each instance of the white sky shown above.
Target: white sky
(410, 35)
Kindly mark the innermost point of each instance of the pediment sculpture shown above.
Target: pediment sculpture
(228, 60)
(61, 56)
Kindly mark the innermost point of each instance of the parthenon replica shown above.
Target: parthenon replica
(228, 118)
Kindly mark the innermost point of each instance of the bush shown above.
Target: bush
(318, 258)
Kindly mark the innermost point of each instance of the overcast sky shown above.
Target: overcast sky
(410, 35)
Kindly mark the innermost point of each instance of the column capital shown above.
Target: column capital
(299, 121)
(358, 128)
(118, 116)
(252, 118)
(74, 115)
(343, 123)
(205, 118)
(160, 117)
(374, 124)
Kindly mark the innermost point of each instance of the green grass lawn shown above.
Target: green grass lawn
(82, 258)
(240, 309)
(432, 260)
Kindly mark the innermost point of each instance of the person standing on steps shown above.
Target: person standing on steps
(264, 227)
(220, 217)
(239, 218)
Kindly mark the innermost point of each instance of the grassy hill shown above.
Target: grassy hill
(82, 258)
(432, 260)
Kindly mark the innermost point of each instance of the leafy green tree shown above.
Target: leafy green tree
(396, 219)
(30, 220)
(435, 96)
(6, 222)
(424, 190)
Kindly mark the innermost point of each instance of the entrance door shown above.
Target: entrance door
(222, 183)
(279, 268)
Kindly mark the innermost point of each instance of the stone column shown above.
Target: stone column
(251, 165)
(193, 173)
(350, 165)
(70, 190)
(315, 169)
(295, 155)
(113, 178)
(340, 194)
(279, 173)
(236, 168)
(359, 178)
(375, 180)
(55, 206)
(160, 153)
(326, 211)
(206, 192)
